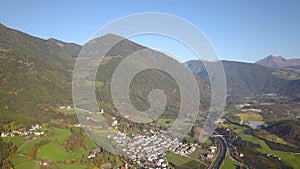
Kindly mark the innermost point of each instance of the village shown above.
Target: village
(31, 134)
(150, 151)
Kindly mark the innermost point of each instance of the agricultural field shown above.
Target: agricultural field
(250, 116)
(68, 111)
(98, 84)
(165, 122)
(289, 158)
(56, 152)
(229, 163)
(181, 162)
(51, 147)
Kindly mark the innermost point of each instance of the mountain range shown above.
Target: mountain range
(248, 79)
(279, 62)
(36, 75)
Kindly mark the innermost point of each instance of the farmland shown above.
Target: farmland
(183, 162)
(287, 157)
(51, 148)
(250, 116)
(229, 163)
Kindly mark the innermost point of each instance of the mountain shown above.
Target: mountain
(279, 62)
(71, 49)
(287, 129)
(143, 83)
(246, 79)
(35, 74)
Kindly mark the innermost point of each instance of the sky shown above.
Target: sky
(246, 30)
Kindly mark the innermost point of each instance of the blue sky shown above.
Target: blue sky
(245, 30)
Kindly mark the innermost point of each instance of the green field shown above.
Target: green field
(89, 142)
(18, 160)
(287, 157)
(17, 140)
(229, 164)
(23, 163)
(183, 162)
(75, 166)
(53, 134)
(250, 116)
(134, 131)
(56, 152)
(68, 111)
(201, 118)
(165, 122)
(98, 84)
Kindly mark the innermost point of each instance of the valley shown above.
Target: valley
(259, 129)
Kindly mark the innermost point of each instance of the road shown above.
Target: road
(221, 153)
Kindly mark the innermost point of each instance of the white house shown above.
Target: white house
(115, 123)
(38, 133)
(4, 134)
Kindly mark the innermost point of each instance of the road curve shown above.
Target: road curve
(221, 153)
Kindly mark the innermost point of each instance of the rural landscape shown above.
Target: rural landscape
(259, 129)
(44, 126)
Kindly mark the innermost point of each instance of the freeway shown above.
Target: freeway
(221, 153)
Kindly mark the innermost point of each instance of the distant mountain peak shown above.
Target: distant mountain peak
(2, 26)
(278, 62)
(272, 57)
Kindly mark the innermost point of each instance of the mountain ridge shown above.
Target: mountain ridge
(245, 79)
(279, 62)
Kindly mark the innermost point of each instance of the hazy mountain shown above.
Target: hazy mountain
(246, 78)
(279, 62)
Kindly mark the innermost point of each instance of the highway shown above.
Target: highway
(221, 153)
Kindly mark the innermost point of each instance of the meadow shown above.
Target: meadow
(182, 162)
(287, 157)
(229, 163)
(51, 148)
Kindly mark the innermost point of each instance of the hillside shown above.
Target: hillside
(287, 129)
(35, 74)
(245, 79)
(142, 84)
(279, 62)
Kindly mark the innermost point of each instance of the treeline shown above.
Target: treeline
(75, 141)
(6, 149)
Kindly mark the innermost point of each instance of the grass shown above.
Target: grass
(229, 164)
(177, 159)
(271, 137)
(28, 164)
(183, 162)
(53, 134)
(134, 131)
(17, 140)
(165, 122)
(18, 160)
(53, 151)
(201, 118)
(98, 84)
(89, 142)
(68, 111)
(287, 157)
(75, 166)
(56, 152)
(250, 116)
(196, 154)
